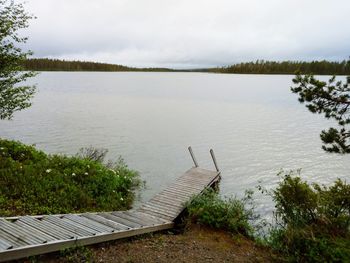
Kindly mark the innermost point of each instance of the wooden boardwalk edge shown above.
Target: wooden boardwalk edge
(18, 253)
(24, 236)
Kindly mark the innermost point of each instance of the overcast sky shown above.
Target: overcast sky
(189, 33)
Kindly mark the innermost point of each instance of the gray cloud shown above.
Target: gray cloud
(196, 33)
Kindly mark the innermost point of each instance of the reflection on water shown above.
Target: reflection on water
(253, 122)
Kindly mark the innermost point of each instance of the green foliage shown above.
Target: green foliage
(12, 96)
(331, 99)
(32, 182)
(230, 214)
(312, 221)
(288, 67)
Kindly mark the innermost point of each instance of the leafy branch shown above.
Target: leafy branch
(12, 96)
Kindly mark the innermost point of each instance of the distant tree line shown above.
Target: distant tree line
(288, 67)
(45, 64)
(258, 67)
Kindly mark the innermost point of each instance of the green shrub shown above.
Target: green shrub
(312, 221)
(32, 182)
(230, 214)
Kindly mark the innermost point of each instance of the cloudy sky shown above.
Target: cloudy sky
(189, 33)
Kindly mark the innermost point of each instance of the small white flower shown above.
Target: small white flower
(121, 199)
(113, 191)
(86, 173)
(48, 170)
(73, 174)
(88, 166)
(2, 148)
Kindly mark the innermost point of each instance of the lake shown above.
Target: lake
(254, 123)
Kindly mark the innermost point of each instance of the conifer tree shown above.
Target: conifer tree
(332, 99)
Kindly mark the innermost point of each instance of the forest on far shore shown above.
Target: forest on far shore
(322, 67)
(46, 64)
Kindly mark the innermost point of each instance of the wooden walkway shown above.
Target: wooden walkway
(33, 235)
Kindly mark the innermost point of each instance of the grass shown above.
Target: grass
(32, 182)
(230, 214)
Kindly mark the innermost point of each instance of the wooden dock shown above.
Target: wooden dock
(25, 236)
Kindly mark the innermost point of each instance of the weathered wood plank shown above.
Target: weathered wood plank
(156, 214)
(133, 218)
(72, 223)
(181, 190)
(14, 241)
(188, 183)
(20, 233)
(111, 217)
(46, 226)
(165, 205)
(105, 221)
(181, 184)
(173, 210)
(141, 215)
(4, 244)
(175, 198)
(71, 228)
(120, 220)
(129, 222)
(90, 223)
(167, 200)
(180, 194)
(195, 179)
(161, 211)
(39, 233)
(185, 192)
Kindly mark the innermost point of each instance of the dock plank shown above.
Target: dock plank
(4, 244)
(90, 223)
(143, 222)
(21, 233)
(105, 221)
(67, 226)
(46, 226)
(121, 221)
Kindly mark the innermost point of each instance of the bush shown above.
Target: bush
(312, 221)
(32, 182)
(230, 214)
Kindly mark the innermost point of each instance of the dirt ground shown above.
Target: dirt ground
(195, 244)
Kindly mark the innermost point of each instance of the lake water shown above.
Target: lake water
(253, 122)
